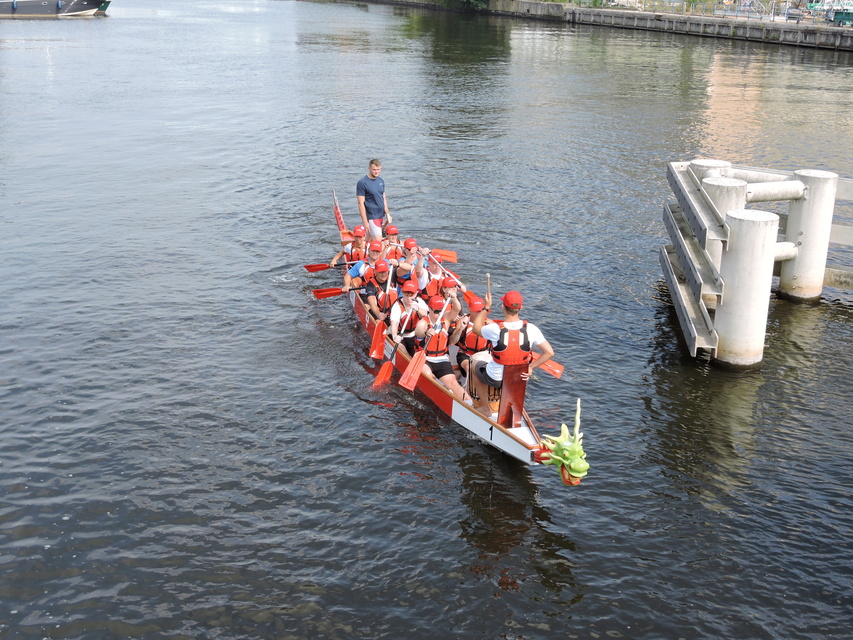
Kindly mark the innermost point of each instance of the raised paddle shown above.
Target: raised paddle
(387, 367)
(444, 254)
(331, 292)
(413, 372)
(468, 295)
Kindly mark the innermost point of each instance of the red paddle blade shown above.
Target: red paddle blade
(384, 374)
(449, 256)
(327, 293)
(554, 368)
(377, 347)
(412, 373)
(469, 296)
(316, 267)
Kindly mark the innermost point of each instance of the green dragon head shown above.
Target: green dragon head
(566, 452)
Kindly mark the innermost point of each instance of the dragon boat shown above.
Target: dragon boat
(510, 429)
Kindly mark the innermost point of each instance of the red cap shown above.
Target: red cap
(391, 230)
(476, 305)
(359, 231)
(436, 258)
(410, 243)
(375, 245)
(436, 303)
(512, 300)
(411, 285)
(381, 266)
(448, 282)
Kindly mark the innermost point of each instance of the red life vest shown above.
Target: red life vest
(439, 343)
(412, 322)
(394, 253)
(470, 343)
(385, 300)
(432, 289)
(356, 254)
(513, 346)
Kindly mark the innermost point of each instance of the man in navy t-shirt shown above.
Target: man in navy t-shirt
(372, 203)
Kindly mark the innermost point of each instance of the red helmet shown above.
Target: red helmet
(512, 300)
(448, 282)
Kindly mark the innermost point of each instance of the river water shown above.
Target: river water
(190, 444)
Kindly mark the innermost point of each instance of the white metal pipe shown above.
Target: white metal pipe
(809, 226)
(785, 251)
(775, 191)
(754, 175)
(747, 270)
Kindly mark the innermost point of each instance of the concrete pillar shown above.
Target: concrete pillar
(809, 225)
(747, 270)
(708, 168)
(727, 194)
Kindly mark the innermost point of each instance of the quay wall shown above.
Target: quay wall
(774, 32)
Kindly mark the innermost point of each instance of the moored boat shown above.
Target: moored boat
(510, 429)
(53, 8)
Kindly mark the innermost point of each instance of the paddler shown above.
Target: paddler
(362, 271)
(512, 341)
(433, 332)
(464, 337)
(405, 314)
(353, 251)
(380, 296)
(413, 266)
(392, 240)
(435, 274)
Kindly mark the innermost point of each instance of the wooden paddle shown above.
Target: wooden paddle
(412, 374)
(385, 370)
(331, 292)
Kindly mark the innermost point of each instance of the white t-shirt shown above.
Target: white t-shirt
(492, 332)
(397, 311)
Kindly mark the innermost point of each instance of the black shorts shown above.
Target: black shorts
(461, 357)
(410, 344)
(440, 369)
(484, 377)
